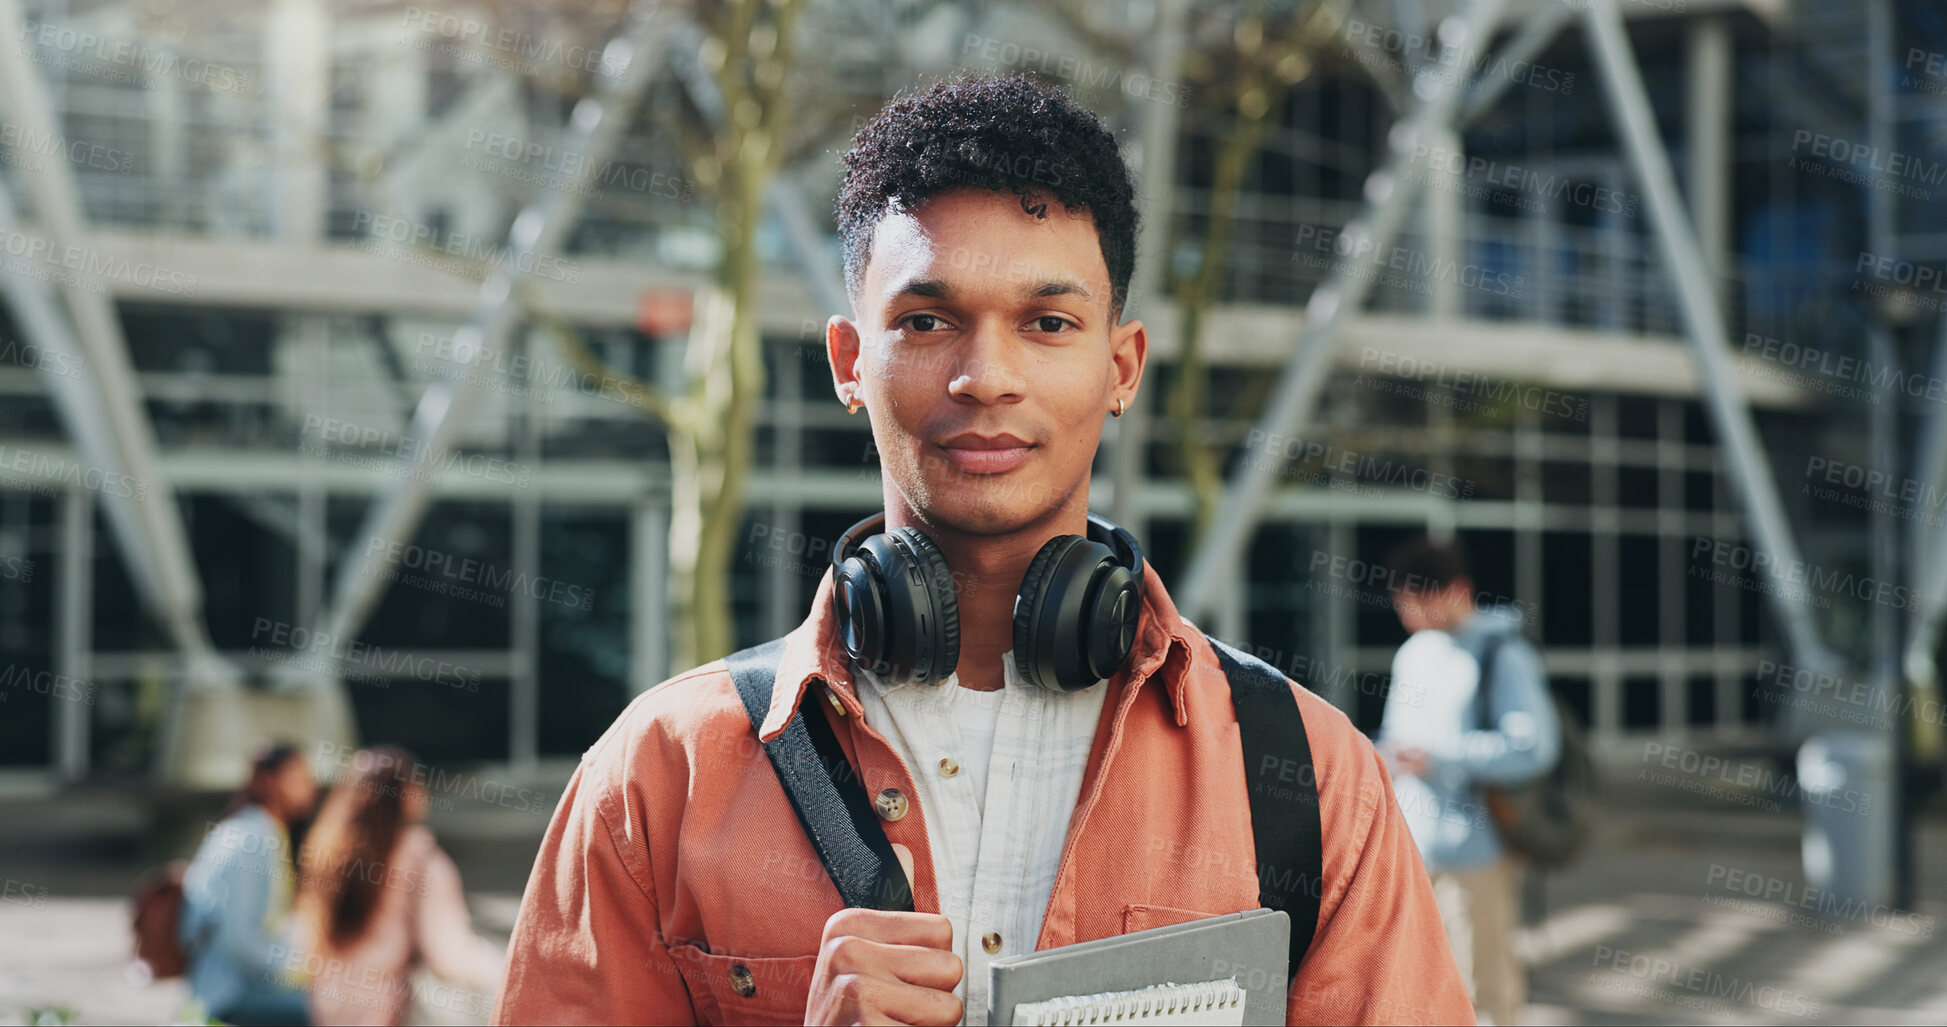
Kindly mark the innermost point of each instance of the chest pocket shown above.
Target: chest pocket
(739, 989)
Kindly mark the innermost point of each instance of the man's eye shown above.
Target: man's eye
(923, 323)
(1051, 324)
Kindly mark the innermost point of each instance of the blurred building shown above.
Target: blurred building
(292, 204)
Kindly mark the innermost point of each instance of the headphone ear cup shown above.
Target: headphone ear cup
(932, 610)
(861, 606)
(1114, 610)
(1048, 616)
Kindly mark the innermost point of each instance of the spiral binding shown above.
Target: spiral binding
(1112, 1007)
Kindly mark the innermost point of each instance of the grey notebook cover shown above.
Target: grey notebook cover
(1253, 947)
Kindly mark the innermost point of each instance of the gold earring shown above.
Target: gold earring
(852, 407)
(1120, 406)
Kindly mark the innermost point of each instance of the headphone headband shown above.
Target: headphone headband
(1075, 614)
(1100, 529)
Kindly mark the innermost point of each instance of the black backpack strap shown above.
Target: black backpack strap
(1285, 825)
(1483, 703)
(823, 788)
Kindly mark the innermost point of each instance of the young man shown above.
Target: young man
(237, 896)
(989, 234)
(1443, 750)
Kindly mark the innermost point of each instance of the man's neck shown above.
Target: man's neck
(987, 572)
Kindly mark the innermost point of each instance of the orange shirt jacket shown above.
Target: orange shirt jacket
(675, 884)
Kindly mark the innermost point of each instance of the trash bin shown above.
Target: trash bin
(1845, 786)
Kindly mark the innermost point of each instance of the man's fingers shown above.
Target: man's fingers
(919, 965)
(907, 1004)
(927, 930)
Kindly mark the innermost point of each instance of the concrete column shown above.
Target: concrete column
(74, 606)
(298, 52)
(648, 593)
(1708, 84)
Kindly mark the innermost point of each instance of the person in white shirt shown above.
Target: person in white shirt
(1442, 747)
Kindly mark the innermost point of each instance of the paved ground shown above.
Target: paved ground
(1657, 924)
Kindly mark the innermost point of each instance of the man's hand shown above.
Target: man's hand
(1412, 761)
(876, 967)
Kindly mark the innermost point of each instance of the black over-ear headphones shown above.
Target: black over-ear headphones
(1074, 617)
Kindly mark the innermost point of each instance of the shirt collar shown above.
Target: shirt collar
(813, 652)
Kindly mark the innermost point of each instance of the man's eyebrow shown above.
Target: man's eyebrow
(1061, 287)
(931, 288)
(934, 288)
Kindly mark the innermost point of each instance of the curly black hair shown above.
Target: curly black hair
(1005, 134)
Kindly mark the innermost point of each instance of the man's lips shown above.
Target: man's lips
(973, 453)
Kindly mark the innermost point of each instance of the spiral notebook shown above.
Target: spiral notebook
(1227, 969)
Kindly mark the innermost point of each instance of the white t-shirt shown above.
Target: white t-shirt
(998, 775)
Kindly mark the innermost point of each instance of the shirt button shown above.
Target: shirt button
(948, 766)
(991, 942)
(741, 981)
(891, 804)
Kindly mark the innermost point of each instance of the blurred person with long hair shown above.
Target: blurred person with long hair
(378, 898)
(237, 896)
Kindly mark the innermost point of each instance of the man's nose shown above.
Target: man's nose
(988, 371)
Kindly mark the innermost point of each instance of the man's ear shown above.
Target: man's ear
(842, 350)
(1129, 354)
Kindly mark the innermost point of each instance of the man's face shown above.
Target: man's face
(1438, 609)
(986, 353)
(297, 790)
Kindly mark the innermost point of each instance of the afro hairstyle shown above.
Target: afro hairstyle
(1009, 134)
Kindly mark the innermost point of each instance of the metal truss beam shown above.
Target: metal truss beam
(1391, 192)
(1729, 408)
(102, 409)
(596, 125)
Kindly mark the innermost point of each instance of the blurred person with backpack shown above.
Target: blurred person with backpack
(1475, 744)
(237, 896)
(377, 899)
